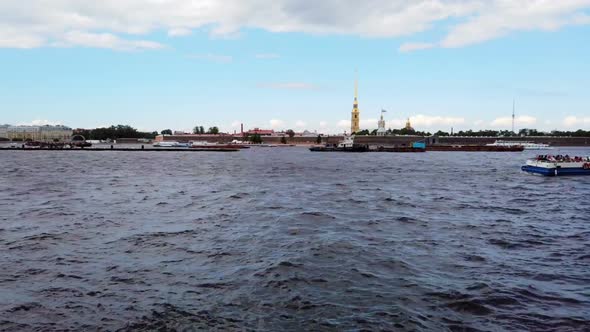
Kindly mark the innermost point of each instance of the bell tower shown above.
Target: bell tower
(355, 118)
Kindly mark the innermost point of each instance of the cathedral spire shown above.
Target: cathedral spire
(355, 117)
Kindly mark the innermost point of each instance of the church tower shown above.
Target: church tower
(355, 119)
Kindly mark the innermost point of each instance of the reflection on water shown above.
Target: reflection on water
(285, 239)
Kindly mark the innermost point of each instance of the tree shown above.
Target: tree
(319, 139)
(363, 132)
(167, 132)
(213, 131)
(283, 140)
(255, 139)
(374, 132)
(290, 132)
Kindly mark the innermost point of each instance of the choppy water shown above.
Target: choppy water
(285, 239)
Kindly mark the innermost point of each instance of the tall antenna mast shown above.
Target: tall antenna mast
(513, 114)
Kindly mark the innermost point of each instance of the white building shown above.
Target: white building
(381, 131)
(37, 133)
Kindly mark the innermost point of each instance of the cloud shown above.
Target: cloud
(179, 32)
(38, 23)
(267, 56)
(431, 121)
(276, 123)
(213, 57)
(40, 122)
(409, 47)
(345, 124)
(506, 122)
(574, 121)
(287, 86)
(300, 124)
(107, 40)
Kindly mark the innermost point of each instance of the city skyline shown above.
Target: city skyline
(176, 65)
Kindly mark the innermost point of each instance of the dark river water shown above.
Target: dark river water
(285, 239)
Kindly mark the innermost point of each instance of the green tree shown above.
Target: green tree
(318, 140)
(363, 132)
(283, 140)
(167, 132)
(213, 131)
(290, 132)
(255, 139)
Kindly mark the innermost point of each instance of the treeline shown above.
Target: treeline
(114, 132)
(522, 132)
(402, 131)
(479, 133)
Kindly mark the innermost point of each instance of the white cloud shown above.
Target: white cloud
(41, 122)
(300, 124)
(107, 40)
(323, 124)
(574, 121)
(395, 123)
(36, 23)
(213, 57)
(179, 32)
(367, 123)
(345, 124)
(267, 56)
(421, 121)
(277, 124)
(506, 122)
(409, 47)
(287, 86)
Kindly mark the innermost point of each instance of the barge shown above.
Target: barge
(475, 148)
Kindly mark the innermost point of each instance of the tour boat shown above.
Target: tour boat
(525, 145)
(556, 166)
(171, 145)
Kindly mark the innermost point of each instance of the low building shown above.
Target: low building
(38, 133)
(261, 132)
(185, 138)
(4, 131)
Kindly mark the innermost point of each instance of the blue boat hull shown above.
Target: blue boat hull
(555, 171)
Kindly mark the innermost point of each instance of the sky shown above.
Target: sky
(282, 64)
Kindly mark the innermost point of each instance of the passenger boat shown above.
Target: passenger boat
(171, 145)
(525, 145)
(208, 145)
(558, 165)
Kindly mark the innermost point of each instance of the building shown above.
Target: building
(381, 131)
(408, 126)
(261, 132)
(355, 118)
(37, 133)
(3, 131)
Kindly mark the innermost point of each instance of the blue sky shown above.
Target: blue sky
(443, 64)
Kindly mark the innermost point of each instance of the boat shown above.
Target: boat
(558, 165)
(218, 146)
(525, 145)
(347, 145)
(474, 148)
(171, 145)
